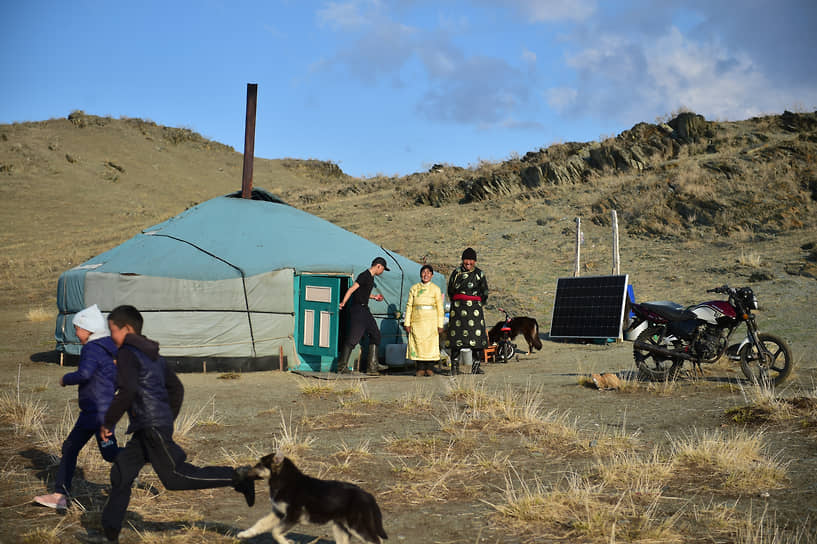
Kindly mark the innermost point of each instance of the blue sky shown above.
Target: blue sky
(394, 86)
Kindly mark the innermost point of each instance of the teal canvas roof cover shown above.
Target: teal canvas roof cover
(219, 237)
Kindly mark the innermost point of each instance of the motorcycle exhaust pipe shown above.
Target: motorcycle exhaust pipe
(640, 344)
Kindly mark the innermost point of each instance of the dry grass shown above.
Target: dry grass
(361, 398)
(190, 419)
(40, 314)
(765, 530)
(197, 533)
(521, 413)
(582, 510)
(733, 461)
(52, 535)
(767, 404)
(635, 472)
(248, 455)
(419, 399)
(348, 457)
(290, 441)
(436, 475)
(25, 414)
(325, 388)
(750, 259)
(153, 502)
(51, 437)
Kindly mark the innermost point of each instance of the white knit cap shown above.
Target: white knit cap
(91, 320)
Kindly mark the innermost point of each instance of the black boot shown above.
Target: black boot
(244, 484)
(455, 363)
(108, 535)
(475, 369)
(343, 360)
(373, 366)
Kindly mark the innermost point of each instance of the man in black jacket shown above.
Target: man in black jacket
(361, 321)
(151, 393)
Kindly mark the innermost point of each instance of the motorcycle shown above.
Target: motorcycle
(505, 349)
(669, 335)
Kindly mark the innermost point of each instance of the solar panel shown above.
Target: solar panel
(589, 307)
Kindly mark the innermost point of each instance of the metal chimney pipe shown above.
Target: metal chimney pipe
(249, 140)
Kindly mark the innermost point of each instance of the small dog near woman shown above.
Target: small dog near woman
(298, 498)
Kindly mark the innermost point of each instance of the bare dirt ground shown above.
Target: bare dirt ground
(525, 453)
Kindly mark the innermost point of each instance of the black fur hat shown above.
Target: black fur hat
(469, 253)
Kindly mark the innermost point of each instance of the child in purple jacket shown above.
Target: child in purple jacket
(96, 378)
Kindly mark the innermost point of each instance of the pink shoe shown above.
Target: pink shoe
(54, 500)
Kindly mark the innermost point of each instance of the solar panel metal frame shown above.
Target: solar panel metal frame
(612, 308)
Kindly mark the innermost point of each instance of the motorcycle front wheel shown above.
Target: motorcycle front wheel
(776, 369)
(652, 366)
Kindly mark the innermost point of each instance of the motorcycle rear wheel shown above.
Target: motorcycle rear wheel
(777, 370)
(652, 366)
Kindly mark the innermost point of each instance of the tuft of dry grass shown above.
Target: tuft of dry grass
(325, 388)
(733, 461)
(349, 456)
(188, 420)
(248, 456)
(39, 314)
(26, 415)
(751, 260)
(582, 511)
(436, 476)
(290, 441)
(419, 399)
(361, 398)
(196, 533)
(635, 472)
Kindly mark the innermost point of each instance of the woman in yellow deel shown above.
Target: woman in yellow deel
(424, 322)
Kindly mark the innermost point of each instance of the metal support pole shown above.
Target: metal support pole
(577, 261)
(616, 262)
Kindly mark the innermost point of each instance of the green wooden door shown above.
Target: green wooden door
(318, 316)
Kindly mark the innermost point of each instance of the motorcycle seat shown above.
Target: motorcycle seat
(669, 310)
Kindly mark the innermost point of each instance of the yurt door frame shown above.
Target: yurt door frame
(318, 319)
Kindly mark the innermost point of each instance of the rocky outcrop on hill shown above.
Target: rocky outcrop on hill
(758, 174)
(636, 150)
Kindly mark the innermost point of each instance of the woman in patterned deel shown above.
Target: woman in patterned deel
(468, 291)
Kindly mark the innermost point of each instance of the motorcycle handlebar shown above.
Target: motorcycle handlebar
(724, 289)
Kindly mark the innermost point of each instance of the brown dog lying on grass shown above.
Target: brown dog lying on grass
(526, 326)
(298, 498)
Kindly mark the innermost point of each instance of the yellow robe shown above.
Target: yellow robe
(424, 314)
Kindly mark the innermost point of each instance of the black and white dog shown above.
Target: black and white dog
(297, 498)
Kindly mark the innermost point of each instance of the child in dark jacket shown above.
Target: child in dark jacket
(96, 378)
(151, 393)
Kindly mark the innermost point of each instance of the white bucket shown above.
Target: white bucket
(396, 354)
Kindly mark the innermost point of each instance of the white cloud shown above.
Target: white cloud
(619, 78)
(348, 15)
(561, 99)
(541, 11)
